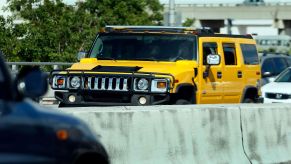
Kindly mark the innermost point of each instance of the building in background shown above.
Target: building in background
(236, 17)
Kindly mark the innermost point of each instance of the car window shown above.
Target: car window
(284, 76)
(280, 65)
(229, 54)
(250, 54)
(208, 48)
(268, 66)
(289, 62)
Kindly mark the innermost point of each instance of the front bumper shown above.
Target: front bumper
(91, 98)
(259, 100)
(268, 100)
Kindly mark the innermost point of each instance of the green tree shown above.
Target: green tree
(125, 12)
(8, 41)
(51, 30)
(189, 22)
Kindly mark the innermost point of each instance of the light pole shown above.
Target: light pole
(172, 12)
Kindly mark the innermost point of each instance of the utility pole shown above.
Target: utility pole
(172, 13)
(229, 25)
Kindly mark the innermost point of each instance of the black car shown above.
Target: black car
(33, 134)
(272, 65)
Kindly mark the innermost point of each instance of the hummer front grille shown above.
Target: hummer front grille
(107, 83)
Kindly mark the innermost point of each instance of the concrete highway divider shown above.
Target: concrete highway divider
(188, 134)
(267, 133)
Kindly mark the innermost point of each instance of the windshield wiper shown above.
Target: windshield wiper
(105, 58)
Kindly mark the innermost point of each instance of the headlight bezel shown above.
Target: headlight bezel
(55, 82)
(137, 81)
(70, 82)
(67, 82)
(154, 85)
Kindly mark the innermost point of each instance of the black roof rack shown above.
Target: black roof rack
(158, 29)
(203, 32)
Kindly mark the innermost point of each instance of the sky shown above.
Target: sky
(257, 30)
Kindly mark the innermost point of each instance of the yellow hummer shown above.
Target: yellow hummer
(149, 65)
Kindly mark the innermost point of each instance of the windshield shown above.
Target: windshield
(284, 76)
(155, 47)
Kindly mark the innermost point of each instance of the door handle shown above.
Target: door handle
(219, 75)
(239, 74)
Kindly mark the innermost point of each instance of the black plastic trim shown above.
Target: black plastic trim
(245, 90)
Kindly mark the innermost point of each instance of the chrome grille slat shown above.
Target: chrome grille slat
(96, 83)
(117, 84)
(103, 84)
(108, 83)
(124, 88)
(89, 82)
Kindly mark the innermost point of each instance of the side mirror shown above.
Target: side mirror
(213, 59)
(32, 82)
(81, 55)
(267, 74)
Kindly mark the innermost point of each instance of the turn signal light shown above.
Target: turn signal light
(161, 84)
(60, 81)
(62, 134)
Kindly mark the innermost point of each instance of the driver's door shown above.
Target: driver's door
(210, 88)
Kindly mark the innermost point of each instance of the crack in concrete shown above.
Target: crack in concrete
(242, 136)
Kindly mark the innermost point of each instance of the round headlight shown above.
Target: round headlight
(143, 84)
(75, 82)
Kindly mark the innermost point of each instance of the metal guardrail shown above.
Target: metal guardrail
(14, 66)
(228, 4)
(48, 98)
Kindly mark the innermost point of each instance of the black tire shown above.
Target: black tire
(61, 105)
(248, 100)
(182, 102)
(89, 159)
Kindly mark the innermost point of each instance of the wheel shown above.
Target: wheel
(92, 159)
(61, 104)
(182, 102)
(248, 100)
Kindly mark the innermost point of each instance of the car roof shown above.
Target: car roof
(274, 55)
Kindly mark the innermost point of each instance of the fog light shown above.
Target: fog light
(72, 98)
(142, 100)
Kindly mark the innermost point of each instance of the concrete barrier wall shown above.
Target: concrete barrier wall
(192, 133)
(267, 133)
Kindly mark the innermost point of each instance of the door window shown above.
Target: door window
(229, 54)
(209, 48)
(250, 54)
